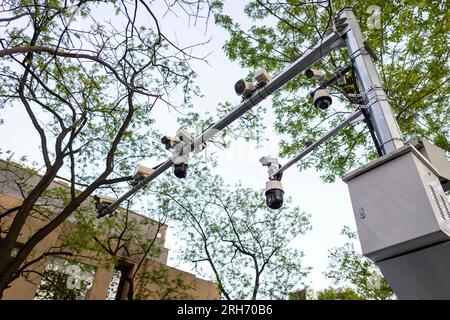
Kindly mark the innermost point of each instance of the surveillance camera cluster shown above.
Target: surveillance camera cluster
(140, 173)
(253, 92)
(181, 146)
(322, 101)
(183, 143)
(321, 96)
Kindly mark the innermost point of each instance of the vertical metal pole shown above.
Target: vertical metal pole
(385, 124)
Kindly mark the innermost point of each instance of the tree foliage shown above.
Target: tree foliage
(122, 237)
(164, 287)
(105, 243)
(232, 238)
(412, 46)
(348, 267)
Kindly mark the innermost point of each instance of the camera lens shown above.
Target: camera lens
(239, 87)
(309, 73)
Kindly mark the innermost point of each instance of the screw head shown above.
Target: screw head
(362, 213)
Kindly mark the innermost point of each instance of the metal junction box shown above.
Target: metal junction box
(399, 204)
(403, 219)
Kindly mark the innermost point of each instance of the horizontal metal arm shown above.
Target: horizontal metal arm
(311, 56)
(331, 42)
(318, 142)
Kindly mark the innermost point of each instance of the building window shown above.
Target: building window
(65, 280)
(120, 282)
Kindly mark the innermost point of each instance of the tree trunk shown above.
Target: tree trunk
(9, 242)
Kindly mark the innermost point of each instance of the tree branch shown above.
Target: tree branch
(27, 49)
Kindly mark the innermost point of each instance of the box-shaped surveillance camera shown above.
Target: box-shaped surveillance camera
(262, 76)
(184, 135)
(399, 204)
(143, 171)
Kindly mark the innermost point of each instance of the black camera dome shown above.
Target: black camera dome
(274, 198)
(180, 170)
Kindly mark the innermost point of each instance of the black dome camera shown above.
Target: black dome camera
(180, 170)
(274, 194)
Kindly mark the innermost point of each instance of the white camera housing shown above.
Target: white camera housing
(322, 99)
(274, 194)
(263, 77)
(181, 146)
(274, 184)
(340, 76)
(169, 142)
(106, 199)
(184, 136)
(271, 163)
(182, 139)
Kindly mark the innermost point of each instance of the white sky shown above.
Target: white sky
(328, 204)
